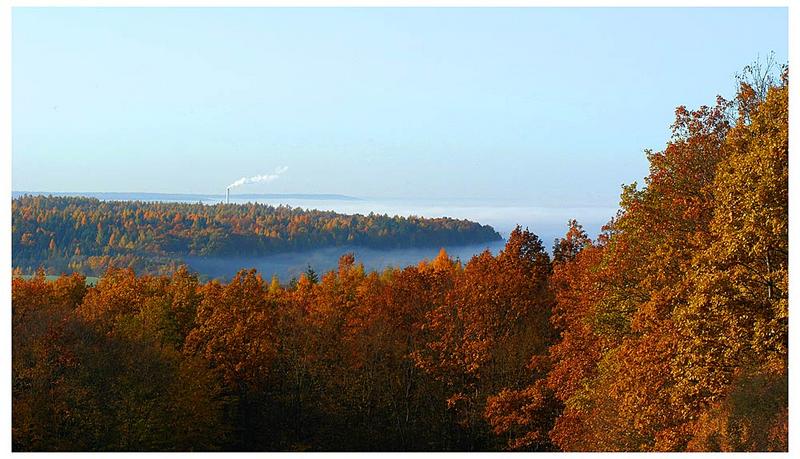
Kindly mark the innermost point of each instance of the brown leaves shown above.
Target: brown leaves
(525, 416)
(685, 292)
(236, 329)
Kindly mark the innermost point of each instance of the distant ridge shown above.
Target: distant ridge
(79, 233)
(141, 196)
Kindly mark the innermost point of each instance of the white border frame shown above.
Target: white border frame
(6, 147)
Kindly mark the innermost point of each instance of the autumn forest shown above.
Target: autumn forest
(666, 332)
(61, 234)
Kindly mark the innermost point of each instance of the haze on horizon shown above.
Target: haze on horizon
(546, 105)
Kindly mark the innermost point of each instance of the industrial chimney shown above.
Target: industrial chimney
(227, 195)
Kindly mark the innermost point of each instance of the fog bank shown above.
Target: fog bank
(290, 265)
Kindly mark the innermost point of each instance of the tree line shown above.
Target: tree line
(65, 234)
(667, 332)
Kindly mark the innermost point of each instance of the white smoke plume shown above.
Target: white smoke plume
(259, 178)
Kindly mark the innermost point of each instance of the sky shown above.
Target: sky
(550, 107)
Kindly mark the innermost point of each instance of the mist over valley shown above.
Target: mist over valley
(547, 223)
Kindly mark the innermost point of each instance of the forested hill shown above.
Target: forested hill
(88, 235)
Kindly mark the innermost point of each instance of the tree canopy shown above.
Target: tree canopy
(66, 234)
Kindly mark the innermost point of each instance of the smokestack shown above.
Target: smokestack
(227, 195)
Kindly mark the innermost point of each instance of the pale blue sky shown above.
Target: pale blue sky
(548, 106)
